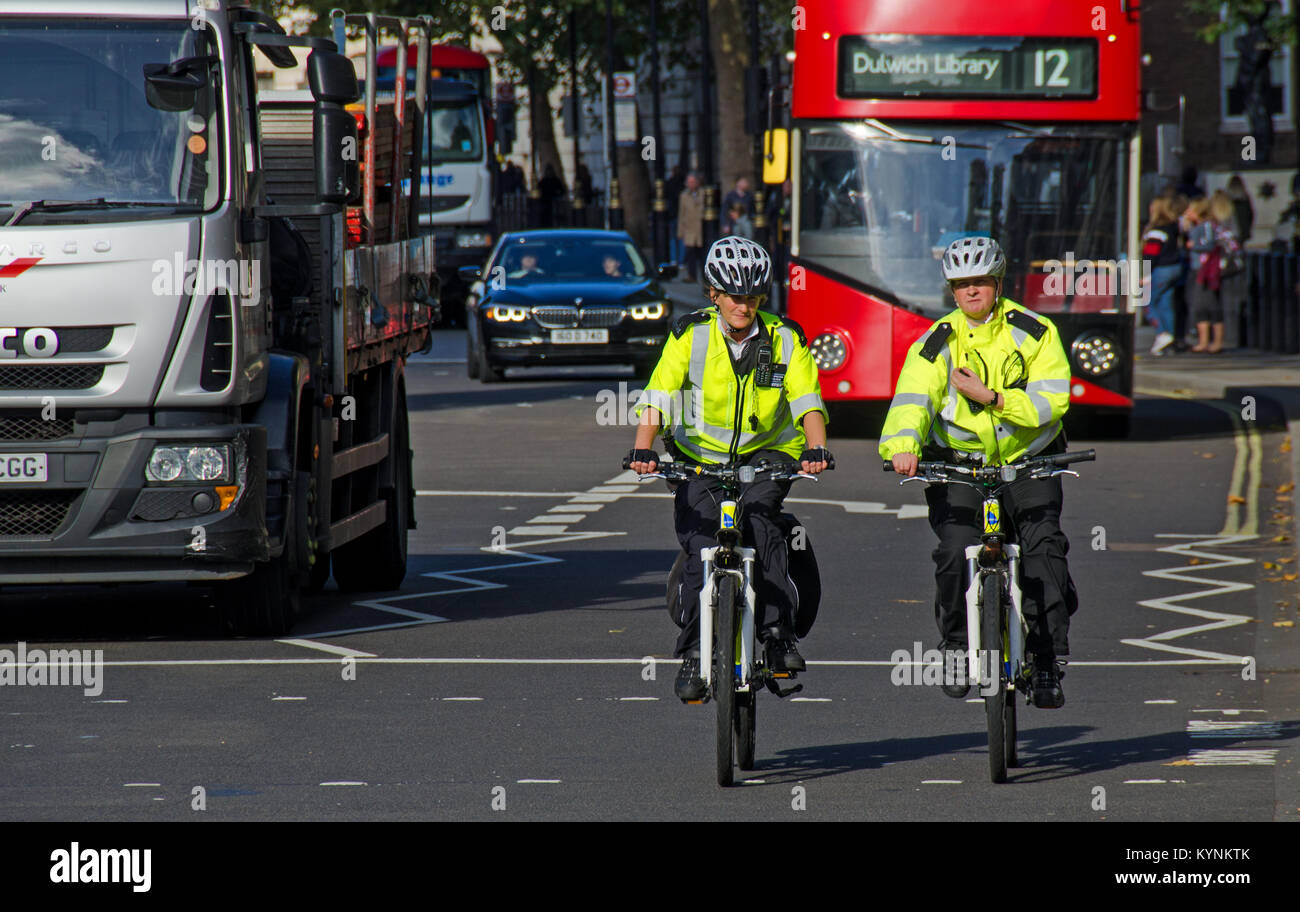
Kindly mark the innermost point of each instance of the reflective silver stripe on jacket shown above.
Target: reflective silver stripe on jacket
(699, 354)
(1043, 439)
(1048, 386)
(787, 342)
(954, 431)
(1042, 406)
(1018, 335)
(806, 403)
(920, 399)
(702, 453)
(658, 399)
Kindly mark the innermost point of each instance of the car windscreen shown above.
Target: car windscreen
(455, 133)
(570, 260)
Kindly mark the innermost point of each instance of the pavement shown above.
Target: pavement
(1231, 376)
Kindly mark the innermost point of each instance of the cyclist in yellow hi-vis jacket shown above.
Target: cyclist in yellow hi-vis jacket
(735, 384)
(989, 383)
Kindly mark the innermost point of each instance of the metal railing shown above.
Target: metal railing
(519, 212)
(1271, 311)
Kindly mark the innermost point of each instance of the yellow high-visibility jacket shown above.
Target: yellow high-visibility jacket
(713, 415)
(926, 408)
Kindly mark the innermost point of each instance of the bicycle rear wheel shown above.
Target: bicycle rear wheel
(994, 692)
(1009, 731)
(724, 673)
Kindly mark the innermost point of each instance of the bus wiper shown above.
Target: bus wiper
(56, 205)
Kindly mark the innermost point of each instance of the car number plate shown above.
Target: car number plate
(579, 335)
(22, 467)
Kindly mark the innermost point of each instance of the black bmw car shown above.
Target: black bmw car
(565, 297)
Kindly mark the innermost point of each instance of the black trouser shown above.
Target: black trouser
(697, 515)
(1048, 596)
(693, 257)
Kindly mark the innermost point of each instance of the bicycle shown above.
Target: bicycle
(993, 582)
(727, 614)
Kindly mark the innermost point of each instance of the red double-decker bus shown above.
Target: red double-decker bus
(916, 122)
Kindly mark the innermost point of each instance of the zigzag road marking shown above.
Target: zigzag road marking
(1215, 620)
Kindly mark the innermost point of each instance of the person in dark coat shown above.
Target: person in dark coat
(672, 191)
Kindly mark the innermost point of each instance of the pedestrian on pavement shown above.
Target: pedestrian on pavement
(1207, 240)
(1232, 264)
(551, 187)
(1161, 249)
(690, 224)
(740, 193)
(672, 192)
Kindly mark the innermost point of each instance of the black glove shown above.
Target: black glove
(640, 456)
(818, 454)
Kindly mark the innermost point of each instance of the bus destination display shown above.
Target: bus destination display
(895, 66)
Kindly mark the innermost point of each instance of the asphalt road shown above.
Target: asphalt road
(534, 682)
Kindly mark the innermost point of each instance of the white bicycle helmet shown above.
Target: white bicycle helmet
(738, 266)
(974, 258)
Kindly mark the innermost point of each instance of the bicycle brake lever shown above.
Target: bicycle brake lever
(649, 476)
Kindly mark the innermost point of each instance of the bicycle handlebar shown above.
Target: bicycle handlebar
(983, 472)
(676, 471)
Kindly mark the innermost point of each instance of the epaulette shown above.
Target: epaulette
(798, 330)
(936, 341)
(686, 321)
(1026, 322)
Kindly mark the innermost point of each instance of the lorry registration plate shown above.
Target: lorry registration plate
(22, 467)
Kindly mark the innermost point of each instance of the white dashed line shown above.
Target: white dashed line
(274, 699)
(1267, 757)
(462, 699)
(1229, 712)
(810, 699)
(328, 647)
(133, 785)
(1160, 702)
(560, 517)
(344, 782)
(941, 782)
(638, 699)
(537, 781)
(1144, 781)
(1221, 728)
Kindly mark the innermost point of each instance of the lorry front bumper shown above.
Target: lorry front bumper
(96, 518)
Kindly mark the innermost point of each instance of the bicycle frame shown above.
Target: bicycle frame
(745, 579)
(994, 556)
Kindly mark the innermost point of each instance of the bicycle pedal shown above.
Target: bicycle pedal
(693, 702)
(783, 674)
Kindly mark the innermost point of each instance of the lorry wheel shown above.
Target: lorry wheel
(376, 562)
(265, 602)
(318, 575)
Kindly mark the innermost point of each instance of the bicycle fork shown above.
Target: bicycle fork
(744, 579)
(1015, 627)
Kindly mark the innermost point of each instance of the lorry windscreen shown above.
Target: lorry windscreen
(78, 120)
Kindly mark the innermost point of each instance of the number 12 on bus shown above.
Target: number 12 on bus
(1019, 120)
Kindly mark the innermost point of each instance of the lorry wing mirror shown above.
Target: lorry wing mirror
(776, 155)
(333, 82)
(332, 78)
(174, 86)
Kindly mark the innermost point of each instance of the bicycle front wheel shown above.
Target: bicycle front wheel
(724, 673)
(992, 627)
(746, 703)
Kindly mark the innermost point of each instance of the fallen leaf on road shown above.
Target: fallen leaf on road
(1291, 577)
(1272, 579)
(1236, 498)
(1284, 623)
(1271, 566)
(1286, 445)
(1285, 560)
(1281, 538)
(1282, 489)
(1179, 763)
(1193, 560)
(1207, 455)
(910, 601)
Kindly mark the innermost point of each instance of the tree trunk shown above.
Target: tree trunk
(541, 120)
(635, 189)
(729, 36)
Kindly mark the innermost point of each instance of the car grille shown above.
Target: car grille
(50, 376)
(34, 513)
(569, 317)
(34, 427)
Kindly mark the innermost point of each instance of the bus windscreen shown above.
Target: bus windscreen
(879, 203)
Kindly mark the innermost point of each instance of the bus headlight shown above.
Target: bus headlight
(1095, 354)
(652, 311)
(507, 313)
(829, 351)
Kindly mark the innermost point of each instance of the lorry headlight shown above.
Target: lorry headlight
(473, 239)
(188, 464)
(652, 311)
(829, 351)
(1095, 354)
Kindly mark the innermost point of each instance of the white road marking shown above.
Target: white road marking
(638, 699)
(1223, 728)
(273, 699)
(612, 489)
(572, 507)
(463, 699)
(344, 782)
(537, 781)
(1216, 620)
(941, 782)
(328, 647)
(132, 785)
(538, 530)
(110, 701)
(610, 493)
(753, 781)
(1144, 781)
(810, 700)
(559, 518)
(975, 700)
(1266, 757)
(1229, 712)
(1160, 701)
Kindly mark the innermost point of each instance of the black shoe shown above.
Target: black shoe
(782, 655)
(955, 684)
(690, 686)
(1047, 684)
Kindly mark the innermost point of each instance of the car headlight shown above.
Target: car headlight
(473, 239)
(188, 464)
(652, 311)
(507, 313)
(1095, 354)
(829, 351)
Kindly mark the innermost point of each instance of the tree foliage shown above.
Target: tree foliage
(1217, 18)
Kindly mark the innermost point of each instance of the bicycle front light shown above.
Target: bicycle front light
(1095, 354)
